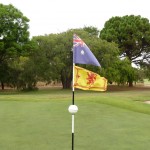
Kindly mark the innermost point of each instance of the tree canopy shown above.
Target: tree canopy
(132, 34)
(55, 56)
(13, 37)
(13, 31)
(24, 62)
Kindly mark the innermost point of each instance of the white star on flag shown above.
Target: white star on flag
(82, 52)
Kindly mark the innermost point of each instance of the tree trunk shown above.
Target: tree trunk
(2, 84)
(66, 78)
(130, 83)
(131, 74)
(66, 84)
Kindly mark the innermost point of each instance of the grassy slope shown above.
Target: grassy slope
(108, 121)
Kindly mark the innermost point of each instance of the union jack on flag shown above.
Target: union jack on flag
(77, 41)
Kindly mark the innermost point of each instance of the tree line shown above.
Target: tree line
(24, 61)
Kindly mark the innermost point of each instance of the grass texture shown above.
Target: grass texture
(40, 120)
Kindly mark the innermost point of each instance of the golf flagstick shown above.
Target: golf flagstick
(73, 109)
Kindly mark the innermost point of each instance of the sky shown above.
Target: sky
(56, 16)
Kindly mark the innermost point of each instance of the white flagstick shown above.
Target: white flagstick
(72, 123)
(73, 108)
(73, 105)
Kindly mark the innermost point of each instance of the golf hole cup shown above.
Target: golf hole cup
(73, 109)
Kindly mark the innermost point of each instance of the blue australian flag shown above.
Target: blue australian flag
(82, 54)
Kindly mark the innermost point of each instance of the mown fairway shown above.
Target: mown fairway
(105, 121)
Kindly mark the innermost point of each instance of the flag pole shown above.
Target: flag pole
(73, 108)
(73, 84)
(73, 104)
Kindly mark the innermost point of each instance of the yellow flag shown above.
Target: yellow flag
(87, 80)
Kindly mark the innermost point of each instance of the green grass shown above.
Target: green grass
(146, 81)
(40, 120)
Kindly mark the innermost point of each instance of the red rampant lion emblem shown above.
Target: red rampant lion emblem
(91, 78)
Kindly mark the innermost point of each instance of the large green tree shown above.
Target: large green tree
(54, 57)
(132, 34)
(13, 37)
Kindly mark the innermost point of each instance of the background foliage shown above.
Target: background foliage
(48, 58)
